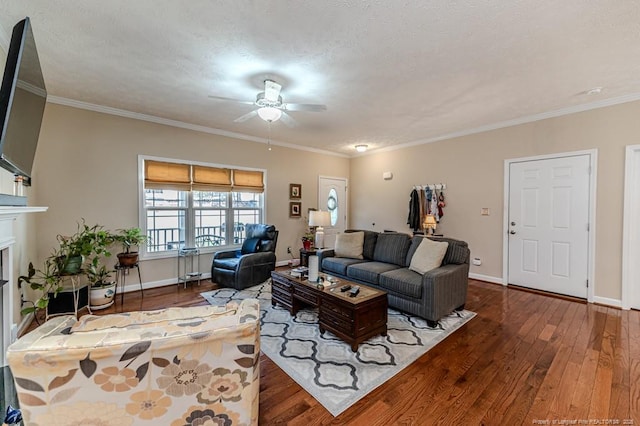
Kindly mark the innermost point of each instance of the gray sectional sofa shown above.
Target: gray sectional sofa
(385, 265)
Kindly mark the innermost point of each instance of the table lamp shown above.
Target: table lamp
(318, 219)
(429, 224)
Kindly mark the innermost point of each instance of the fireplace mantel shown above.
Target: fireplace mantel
(7, 240)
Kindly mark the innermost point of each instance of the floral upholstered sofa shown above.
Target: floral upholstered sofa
(176, 366)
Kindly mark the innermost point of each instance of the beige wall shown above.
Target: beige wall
(472, 167)
(87, 167)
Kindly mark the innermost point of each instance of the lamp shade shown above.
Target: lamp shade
(269, 114)
(429, 222)
(319, 218)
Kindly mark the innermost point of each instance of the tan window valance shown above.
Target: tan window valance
(211, 179)
(186, 177)
(248, 181)
(161, 175)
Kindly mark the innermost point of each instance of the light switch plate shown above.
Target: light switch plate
(484, 211)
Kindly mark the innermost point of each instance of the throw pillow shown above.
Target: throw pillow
(349, 245)
(428, 256)
(250, 245)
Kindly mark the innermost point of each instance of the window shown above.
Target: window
(195, 205)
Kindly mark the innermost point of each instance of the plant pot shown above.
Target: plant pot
(69, 265)
(306, 244)
(102, 297)
(128, 259)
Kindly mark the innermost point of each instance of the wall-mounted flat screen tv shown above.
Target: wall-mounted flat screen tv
(22, 100)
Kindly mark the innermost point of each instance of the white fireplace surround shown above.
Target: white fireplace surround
(7, 243)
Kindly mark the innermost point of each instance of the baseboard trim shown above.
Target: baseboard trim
(134, 286)
(486, 278)
(616, 303)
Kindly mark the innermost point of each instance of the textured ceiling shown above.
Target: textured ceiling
(389, 72)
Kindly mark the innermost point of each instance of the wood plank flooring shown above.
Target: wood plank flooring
(525, 358)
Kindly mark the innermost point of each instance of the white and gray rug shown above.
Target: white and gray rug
(325, 366)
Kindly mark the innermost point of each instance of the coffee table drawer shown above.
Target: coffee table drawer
(336, 322)
(306, 295)
(336, 309)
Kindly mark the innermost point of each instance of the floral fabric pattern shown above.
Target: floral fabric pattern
(191, 367)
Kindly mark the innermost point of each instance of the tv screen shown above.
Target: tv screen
(22, 100)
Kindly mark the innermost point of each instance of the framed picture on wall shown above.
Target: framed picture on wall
(295, 191)
(295, 208)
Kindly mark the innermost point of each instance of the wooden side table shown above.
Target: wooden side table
(304, 256)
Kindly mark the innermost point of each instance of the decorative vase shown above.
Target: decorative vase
(306, 244)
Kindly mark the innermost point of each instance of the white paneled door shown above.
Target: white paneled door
(548, 224)
(332, 197)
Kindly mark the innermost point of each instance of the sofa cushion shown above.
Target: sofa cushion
(428, 255)
(369, 271)
(402, 281)
(338, 265)
(349, 245)
(147, 318)
(392, 247)
(457, 252)
(369, 246)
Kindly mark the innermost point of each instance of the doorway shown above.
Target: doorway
(631, 230)
(549, 215)
(332, 196)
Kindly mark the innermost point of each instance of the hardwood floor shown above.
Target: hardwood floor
(526, 357)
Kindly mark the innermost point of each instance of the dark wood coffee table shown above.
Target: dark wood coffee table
(352, 319)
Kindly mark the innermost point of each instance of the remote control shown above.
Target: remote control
(345, 288)
(354, 291)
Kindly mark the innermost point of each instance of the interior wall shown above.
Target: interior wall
(87, 167)
(23, 228)
(473, 168)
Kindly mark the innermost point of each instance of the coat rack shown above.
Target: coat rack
(432, 186)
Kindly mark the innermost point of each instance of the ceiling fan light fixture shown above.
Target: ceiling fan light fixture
(269, 114)
(361, 147)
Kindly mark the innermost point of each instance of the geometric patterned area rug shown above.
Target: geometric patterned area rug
(324, 365)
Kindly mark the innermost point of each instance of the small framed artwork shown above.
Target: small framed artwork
(295, 191)
(294, 209)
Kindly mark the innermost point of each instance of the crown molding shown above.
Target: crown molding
(509, 123)
(181, 124)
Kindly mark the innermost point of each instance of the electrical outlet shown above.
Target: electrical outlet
(288, 250)
(484, 211)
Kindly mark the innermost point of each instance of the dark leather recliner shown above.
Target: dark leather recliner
(252, 264)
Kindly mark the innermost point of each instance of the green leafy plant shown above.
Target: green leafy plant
(79, 253)
(130, 237)
(99, 275)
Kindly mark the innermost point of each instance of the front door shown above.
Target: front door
(332, 197)
(549, 224)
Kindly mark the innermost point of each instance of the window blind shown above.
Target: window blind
(161, 175)
(248, 181)
(211, 179)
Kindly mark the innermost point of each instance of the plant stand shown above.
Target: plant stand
(70, 300)
(187, 257)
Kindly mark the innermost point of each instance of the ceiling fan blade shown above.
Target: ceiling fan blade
(288, 120)
(245, 117)
(222, 98)
(271, 90)
(304, 107)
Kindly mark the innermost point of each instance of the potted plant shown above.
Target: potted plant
(46, 280)
(130, 237)
(307, 240)
(68, 259)
(86, 241)
(103, 288)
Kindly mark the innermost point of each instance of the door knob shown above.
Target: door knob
(512, 232)
(513, 224)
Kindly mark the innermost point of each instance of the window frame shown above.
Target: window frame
(190, 216)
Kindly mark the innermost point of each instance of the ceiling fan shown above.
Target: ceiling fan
(270, 106)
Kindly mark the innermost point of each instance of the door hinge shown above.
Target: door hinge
(587, 283)
(588, 227)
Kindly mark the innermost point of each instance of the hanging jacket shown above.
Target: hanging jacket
(413, 220)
